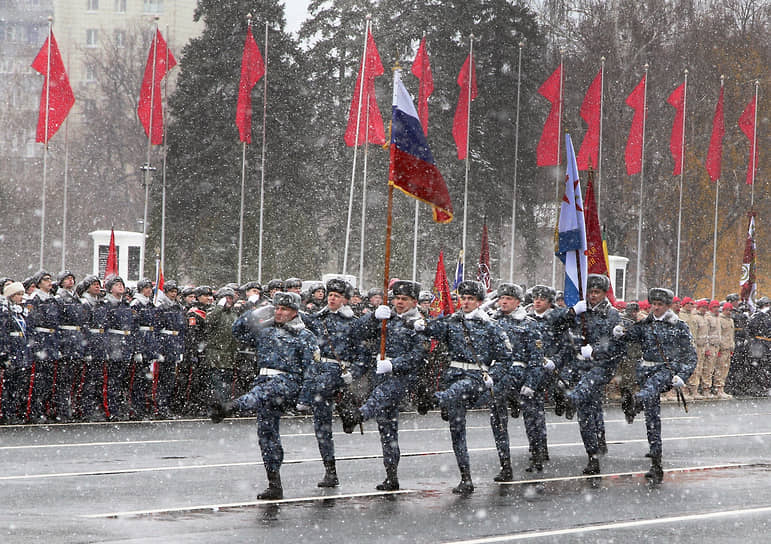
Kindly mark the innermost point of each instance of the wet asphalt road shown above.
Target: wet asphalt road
(192, 481)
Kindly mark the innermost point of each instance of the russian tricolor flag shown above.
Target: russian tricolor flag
(572, 231)
(413, 169)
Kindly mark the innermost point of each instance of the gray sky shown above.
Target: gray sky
(296, 12)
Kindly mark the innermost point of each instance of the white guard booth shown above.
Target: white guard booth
(129, 249)
(617, 265)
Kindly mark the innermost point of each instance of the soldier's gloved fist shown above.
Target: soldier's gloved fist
(138, 358)
(549, 365)
(384, 366)
(383, 312)
(419, 325)
(347, 378)
(580, 307)
(586, 351)
(254, 299)
(302, 407)
(618, 331)
(677, 382)
(526, 391)
(488, 381)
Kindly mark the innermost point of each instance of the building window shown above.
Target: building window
(92, 37)
(120, 6)
(152, 6)
(90, 73)
(120, 38)
(133, 263)
(92, 5)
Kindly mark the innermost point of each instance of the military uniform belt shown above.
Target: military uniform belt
(169, 332)
(330, 360)
(645, 363)
(96, 331)
(270, 372)
(247, 351)
(43, 329)
(518, 363)
(144, 328)
(467, 366)
(119, 331)
(16, 333)
(69, 327)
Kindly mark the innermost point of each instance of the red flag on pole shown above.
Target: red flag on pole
(591, 112)
(57, 98)
(483, 268)
(596, 258)
(548, 150)
(676, 141)
(715, 153)
(467, 81)
(150, 108)
(747, 281)
(747, 124)
(111, 268)
(421, 69)
(369, 69)
(442, 304)
(252, 69)
(633, 153)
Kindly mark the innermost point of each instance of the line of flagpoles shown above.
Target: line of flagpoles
(55, 108)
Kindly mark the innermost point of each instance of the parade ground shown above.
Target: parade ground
(194, 482)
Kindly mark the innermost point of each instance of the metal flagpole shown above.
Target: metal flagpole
(682, 175)
(243, 184)
(163, 168)
(599, 150)
(642, 177)
(558, 198)
(363, 201)
(356, 146)
(415, 245)
(468, 138)
(717, 196)
(516, 160)
(45, 149)
(64, 195)
(754, 150)
(146, 166)
(264, 145)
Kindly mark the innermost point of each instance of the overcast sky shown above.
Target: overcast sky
(296, 12)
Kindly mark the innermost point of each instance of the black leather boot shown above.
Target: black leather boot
(330, 475)
(391, 483)
(656, 473)
(593, 466)
(536, 461)
(506, 474)
(466, 486)
(274, 491)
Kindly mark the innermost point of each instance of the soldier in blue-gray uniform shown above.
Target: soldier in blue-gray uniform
(668, 360)
(170, 335)
(72, 333)
(121, 331)
(333, 372)
(285, 351)
(480, 354)
(145, 350)
(396, 373)
(15, 360)
(94, 373)
(43, 326)
(592, 365)
(526, 371)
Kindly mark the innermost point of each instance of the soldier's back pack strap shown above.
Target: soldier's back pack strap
(678, 390)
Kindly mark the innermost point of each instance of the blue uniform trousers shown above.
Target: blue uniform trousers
(506, 381)
(458, 397)
(383, 405)
(653, 381)
(587, 398)
(321, 397)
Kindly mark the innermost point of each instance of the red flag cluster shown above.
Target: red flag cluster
(548, 150)
(442, 304)
(57, 98)
(150, 108)
(421, 69)
(591, 112)
(747, 124)
(677, 140)
(364, 113)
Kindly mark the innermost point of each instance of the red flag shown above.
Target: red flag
(442, 304)
(634, 150)
(591, 112)
(252, 69)
(676, 141)
(715, 153)
(57, 97)
(461, 121)
(111, 268)
(421, 69)
(747, 124)
(483, 268)
(150, 108)
(159, 282)
(548, 150)
(369, 69)
(747, 281)
(596, 258)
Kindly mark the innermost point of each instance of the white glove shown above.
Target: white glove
(526, 391)
(677, 382)
(618, 331)
(302, 407)
(488, 380)
(586, 351)
(548, 364)
(347, 378)
(580, 307)
(222, 302)
(419, 325)
(383, 365)
(138, 358)
(254, 299)
(383, 312)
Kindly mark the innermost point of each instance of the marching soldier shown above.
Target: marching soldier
(668, 359)
(92, 397)
(285, 351)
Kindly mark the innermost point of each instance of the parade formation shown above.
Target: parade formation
(96, 351)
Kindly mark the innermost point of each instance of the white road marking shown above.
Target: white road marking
(215, 507)
(616, 525)
(89, 444)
